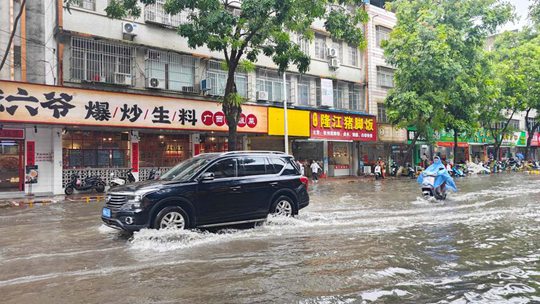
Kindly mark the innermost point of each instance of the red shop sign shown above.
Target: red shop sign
(135, 157)
(12, 133)
(340, 126)
(30, 153)
(535, 141)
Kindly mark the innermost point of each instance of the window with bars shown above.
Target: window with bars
(381, 113)
(272, 83)
(353, 55)
(530, 123)
(320, 47)
(101, 61)
(217, 79)
(385, 77)
(86, 4)
(155, 13)
(175, 71)
(303, 89)
(303, 43)
(339, 47)
(339, 96)
(382, 33)
(356, 98)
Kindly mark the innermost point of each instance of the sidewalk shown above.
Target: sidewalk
(43, 200)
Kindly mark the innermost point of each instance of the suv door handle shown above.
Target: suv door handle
(274, 184)
(236, 188)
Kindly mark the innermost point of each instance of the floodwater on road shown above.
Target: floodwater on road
(357, 242)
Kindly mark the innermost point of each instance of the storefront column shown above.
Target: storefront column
(245, 143)
(355, 154)
(57, 161)
(325, 156)
(135, 154)
(195, 144)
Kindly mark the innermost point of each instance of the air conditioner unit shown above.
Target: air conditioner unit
(123, 79)
(204, 85)
(129, 29)
(155, 83)
(331, 52)
(334, 63)
(262, 96)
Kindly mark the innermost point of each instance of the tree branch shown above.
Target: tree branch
(16, 22)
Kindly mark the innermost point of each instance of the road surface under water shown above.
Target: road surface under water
(357, 242)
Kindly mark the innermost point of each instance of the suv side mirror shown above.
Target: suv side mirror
(207, 176)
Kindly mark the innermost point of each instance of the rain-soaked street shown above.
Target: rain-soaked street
(357, 241)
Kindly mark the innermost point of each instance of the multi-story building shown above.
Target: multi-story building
(131, 93)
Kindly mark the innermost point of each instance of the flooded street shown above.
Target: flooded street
(357, 241)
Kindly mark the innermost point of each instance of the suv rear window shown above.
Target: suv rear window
(290, 169)
(277, 164)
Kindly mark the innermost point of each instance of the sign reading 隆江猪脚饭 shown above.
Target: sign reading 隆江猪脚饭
(24, 102)
(340, 126)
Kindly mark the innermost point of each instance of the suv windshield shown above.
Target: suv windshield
(186, 169)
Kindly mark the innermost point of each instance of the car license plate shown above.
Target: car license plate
(106, 212)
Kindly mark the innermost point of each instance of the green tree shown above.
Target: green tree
(534, 11)
(437, 50)
(260, 27)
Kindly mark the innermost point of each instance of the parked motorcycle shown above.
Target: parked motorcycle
(89, 183)
(394, 169)
(154, 174)
(122, 180)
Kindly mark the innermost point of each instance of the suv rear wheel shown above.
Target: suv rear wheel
(283, 206)
(172, 217)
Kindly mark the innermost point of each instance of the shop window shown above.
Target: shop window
(162, 150)
(173, 71)
(225, 168)
(385, 77)
(101, 61)
(217, 80)
(253, 166)
(94, 149)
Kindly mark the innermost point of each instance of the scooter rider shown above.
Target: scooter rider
(442, 177)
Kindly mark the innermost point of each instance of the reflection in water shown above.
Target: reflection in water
(360, 241)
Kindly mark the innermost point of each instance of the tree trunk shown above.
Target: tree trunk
(231, 108)
(455, 146)
(408, 155)
(530, 133)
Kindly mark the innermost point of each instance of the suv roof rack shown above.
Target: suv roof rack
(252, 152)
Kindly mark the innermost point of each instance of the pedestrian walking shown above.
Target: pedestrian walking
(301, 166)
(315, 171)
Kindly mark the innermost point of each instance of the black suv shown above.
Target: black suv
(213, 189)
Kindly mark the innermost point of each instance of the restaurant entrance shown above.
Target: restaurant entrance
(11, 165)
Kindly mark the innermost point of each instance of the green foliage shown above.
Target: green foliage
(441, 69)
(534, 12)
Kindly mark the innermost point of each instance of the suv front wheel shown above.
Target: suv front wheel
(172, 217)
(283, 206)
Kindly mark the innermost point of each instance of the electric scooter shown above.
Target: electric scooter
(128, 178)
(90, 183)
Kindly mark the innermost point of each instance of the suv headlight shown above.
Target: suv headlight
(134, 202)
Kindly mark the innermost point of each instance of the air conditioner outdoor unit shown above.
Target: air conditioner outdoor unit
(155, 83)
(262, 96)
(334, 63)
(204, 86)
(331, 52)
(129, 29)
(123, 79)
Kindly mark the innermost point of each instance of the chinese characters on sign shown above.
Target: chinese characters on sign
(340, 126)
(62, 105)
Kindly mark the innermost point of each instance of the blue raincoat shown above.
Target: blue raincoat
(442, 175)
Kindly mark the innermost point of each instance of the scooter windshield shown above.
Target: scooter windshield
(442, 176)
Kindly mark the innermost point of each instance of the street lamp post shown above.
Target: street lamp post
(286, 127)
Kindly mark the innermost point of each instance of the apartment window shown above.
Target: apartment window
(385, 77)
(100, 61)
(381, 113)
(382, 33)
(513, 124)
(320, 47)
(86, 4)
(353, 55)
(530, 123)
(173, 71)
(272, 83)
(217, 80)
(339, 96)
(339, 47)
(303, 43)
(155, 13)
(356, 98)
(303, 92)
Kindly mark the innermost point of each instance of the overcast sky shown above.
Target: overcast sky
(522, 10)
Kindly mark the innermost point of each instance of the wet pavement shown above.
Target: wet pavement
(357, 242)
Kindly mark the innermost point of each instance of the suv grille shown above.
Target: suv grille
(117, 200)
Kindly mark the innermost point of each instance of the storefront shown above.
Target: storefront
(87, 132)
(11, 160)
(339, 135)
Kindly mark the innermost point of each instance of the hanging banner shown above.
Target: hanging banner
(30, 153)
(327, 92)
(340, 126)
(24, 102)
